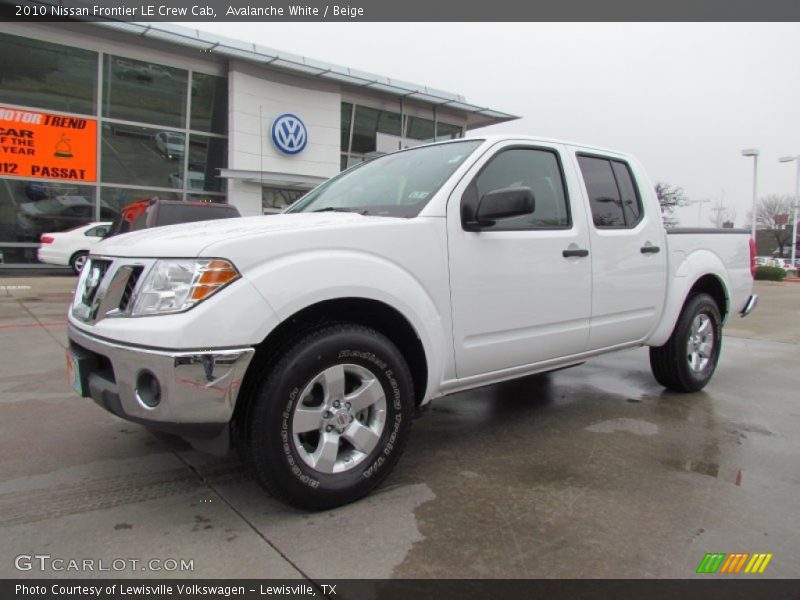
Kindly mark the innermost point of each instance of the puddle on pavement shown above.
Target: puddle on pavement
(555, 460)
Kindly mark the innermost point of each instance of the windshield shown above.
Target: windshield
(396, 185)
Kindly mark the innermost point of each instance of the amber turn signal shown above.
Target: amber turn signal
(213, 276)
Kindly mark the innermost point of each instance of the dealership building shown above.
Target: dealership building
(94, 116)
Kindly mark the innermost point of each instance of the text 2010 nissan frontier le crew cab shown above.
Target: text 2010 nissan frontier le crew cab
(308, 338)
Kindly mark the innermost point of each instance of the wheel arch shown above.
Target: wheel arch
(707, 283)
(76, 253)
(363, 311)
(713, 286)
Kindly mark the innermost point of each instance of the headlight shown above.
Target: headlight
(173, 286)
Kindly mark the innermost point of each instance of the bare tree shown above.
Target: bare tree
(721, 214)
(670, 198)
(774, 214)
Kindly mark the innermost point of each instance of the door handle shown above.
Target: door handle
(575, 252)
(650, 249)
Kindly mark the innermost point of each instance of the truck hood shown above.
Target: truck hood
(190, 239)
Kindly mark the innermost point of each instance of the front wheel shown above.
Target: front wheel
(330, 420)
(688, 359)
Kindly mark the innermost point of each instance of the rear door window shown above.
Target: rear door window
(613, 195)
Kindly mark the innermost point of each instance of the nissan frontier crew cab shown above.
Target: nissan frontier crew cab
(307, 339)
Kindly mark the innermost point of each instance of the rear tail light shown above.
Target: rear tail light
(134, 209)
(753, 258)
(47, 239)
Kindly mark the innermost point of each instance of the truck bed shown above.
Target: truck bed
(722, 251)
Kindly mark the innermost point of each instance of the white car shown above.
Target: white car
(171, 145)
(197, 180)
(73, 246)
(310, 337)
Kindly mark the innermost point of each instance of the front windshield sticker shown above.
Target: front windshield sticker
(455, 159)
(418, 195)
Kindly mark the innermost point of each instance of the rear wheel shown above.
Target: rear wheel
(687, 361)
(330, 420)
(78, 261)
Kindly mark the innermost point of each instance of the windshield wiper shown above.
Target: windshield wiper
(360, 211)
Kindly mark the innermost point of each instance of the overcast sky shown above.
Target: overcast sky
(684, 98)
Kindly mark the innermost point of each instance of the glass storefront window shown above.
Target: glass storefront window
(370, 121)
(446, 131)
(209, 103)
(135, 155)
(116, 198)
(354, 160)
(206, 156)
(143, 139)
(418, 128)
(276, 199)
(347, 119)
(11, 255)
(44, 75)
(30, 208)
(139, 91)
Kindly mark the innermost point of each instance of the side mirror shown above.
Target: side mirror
(504, 203)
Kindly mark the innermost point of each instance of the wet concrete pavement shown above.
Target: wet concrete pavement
(594, 471)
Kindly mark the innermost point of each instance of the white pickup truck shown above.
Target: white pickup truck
(308, 339)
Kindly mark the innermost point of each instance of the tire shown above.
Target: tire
(306, 439)
(686, 363)
(77, 261)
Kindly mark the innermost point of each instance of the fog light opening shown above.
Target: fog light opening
(148, 390)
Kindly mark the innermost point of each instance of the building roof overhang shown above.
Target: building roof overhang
(476, 116)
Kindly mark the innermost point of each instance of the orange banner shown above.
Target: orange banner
(47, 145)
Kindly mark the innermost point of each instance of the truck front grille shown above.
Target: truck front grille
(97, 269)
(130, 286)
(107, 287)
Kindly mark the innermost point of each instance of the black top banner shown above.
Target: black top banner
(399, 11)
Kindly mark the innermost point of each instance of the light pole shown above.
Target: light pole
(796, 159)
(754, 153)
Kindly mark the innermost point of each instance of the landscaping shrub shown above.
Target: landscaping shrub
(770, 273)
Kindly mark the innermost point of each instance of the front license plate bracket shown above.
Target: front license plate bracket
(80, 363)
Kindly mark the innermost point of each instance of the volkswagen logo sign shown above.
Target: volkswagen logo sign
(289, 134)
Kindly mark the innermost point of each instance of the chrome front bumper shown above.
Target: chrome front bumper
(752, 302)
(197, 389)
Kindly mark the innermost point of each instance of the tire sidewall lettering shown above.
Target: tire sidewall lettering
(286, 443)
(380, 368)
